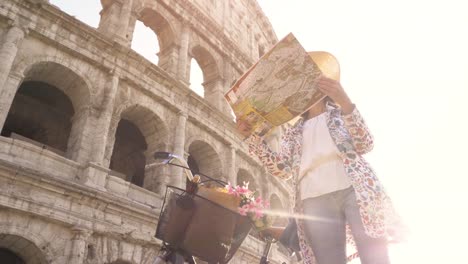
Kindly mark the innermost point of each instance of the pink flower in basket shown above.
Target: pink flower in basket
(239, 191)
(251, 206)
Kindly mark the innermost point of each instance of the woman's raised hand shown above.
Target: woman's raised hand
(335, 91)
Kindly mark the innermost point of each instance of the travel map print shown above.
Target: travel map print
(276, 89)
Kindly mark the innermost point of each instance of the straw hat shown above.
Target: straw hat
(327, 63)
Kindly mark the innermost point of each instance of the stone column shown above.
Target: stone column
(79, 142)
(96, 170)
(214, 94)
(8, 52)
(7, 94)
(109, 18)
(231, 163)
(179, 149)
(183, 55)
(168, 59)
(227, 74)
(78, 250)
(131, 28)
(124, 22)
(111, 140)
(104, 120)
(115, 20)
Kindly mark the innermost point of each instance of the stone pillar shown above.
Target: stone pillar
(214, 94)
(110, 140)
(231, 163)
(104, 120)
(157, 177)
(79, 243)
(183, 55)
(125, 17)
(131, 28)
(179, 149)
(79, 143)
(8, 52)
(96, 171)
(168, 59)
(109, 18)
(227, 74)
(115, 20)
(7, 94)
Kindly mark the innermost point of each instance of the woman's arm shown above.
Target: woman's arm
(363, 141)
(277, 163)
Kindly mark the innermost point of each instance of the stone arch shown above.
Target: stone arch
(81, 94)
(10, 257)
(277, 206)
(48, 83)
(25, 244)
(40, 114)
(196, 79)
(152, 126)
(203, 158)
(208, 65)
(20, 249)
(244, 175)
(138, 134)
(161, 23)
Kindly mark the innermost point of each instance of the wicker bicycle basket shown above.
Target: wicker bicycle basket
(194, 225)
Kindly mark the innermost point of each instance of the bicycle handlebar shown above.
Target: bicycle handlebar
(168, 157)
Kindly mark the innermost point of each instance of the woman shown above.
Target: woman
(335, 186)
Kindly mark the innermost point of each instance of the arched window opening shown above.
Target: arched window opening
(9, 257)
(208, 75)
(196, 78)
(204, 159)
(42, 115)
(153, 38)
(19, 250)
(139, 133)
(128, 156)
(145, 42)
(193, 165)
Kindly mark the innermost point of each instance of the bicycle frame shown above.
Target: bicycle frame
(172, 256)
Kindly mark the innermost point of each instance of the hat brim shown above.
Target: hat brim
(327, 63)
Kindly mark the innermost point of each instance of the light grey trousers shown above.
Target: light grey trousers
(326, 232)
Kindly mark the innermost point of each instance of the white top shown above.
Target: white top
(322, 169)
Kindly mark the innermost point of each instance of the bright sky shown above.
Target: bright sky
(405, 65)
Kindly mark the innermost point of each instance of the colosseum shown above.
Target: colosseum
(82, 115)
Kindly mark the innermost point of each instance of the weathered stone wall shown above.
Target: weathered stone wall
(72, 205)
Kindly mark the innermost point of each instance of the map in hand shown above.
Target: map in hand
(280, 86)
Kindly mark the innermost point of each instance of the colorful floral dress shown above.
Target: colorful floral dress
(353, 139)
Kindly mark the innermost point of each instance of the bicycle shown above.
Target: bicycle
(181, 208)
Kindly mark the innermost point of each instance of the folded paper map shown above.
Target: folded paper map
(280, 86)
